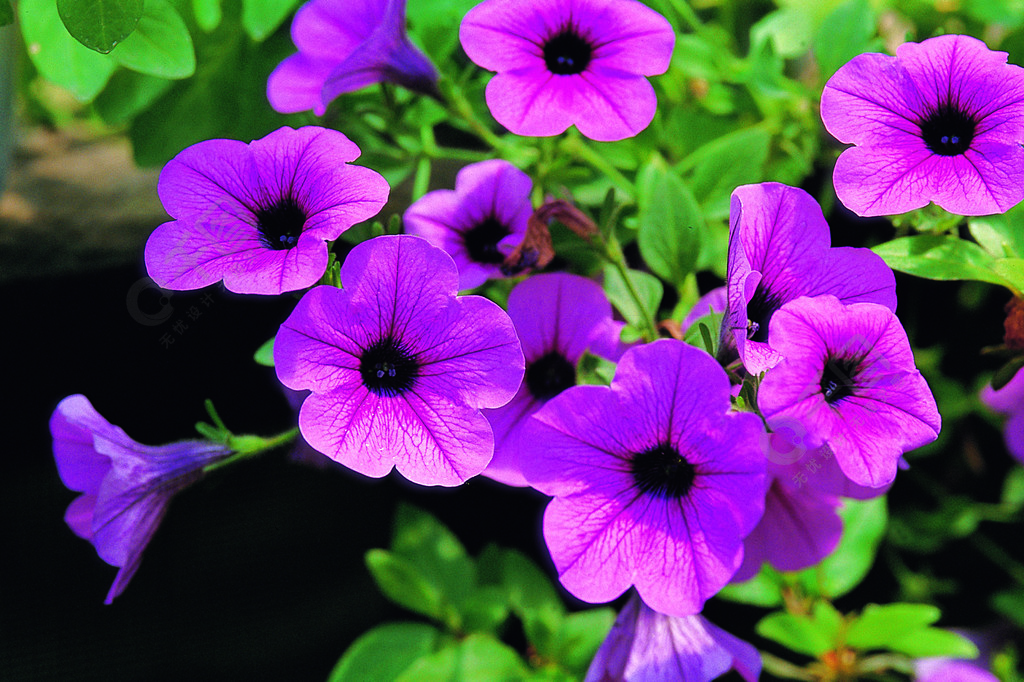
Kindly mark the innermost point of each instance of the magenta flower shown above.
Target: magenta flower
(345, 45)
(125, 486)
(478, 223)
(779, 250)
(569, 62)
(557, 317)
(645, 645)
(848, 377)
(258, 216)
(399, 366)
(1009, 400)
(941, 121)
(949, 670)
(655, 482)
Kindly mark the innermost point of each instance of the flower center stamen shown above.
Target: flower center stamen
(482, 239)
(663, 472)
(549, 375)
(948, 130)
(760, 309)
(567, 53)
(280, 224)
(838, 379)
(388, 369)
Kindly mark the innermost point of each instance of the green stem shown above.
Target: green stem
(460, 108)
(686, 13)
(573, 145)
(998, 556)
(612, 252)
(247, 446)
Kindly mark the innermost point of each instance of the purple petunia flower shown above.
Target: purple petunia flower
(778, 251)
(557, 317)
(948, 670)
(399, 366)
(1009, 400)
(655, 481)
(569, 62)
(345, 45)
(125, 486)
(259, 215)
(478, 223)
(848, 377)
(645, 645)
(941, 121)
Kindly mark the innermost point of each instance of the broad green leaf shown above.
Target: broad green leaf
(788, 29)
(594, 370)
(381, 654)
(60, 58)
(6, 13)
(1011, 604)
(721, 165)
(402, 582)
(128, 94)
(671, 225)
(1008, 13)
(1000, 235)
(161, 44)
(262, 17)
(430, 26)
(764, 589)
(845, 33)
(648, 288)
(801, 634)
(265, 354)
(208, 14)
(1012, 270)
(878, 625)
(696, 336)
(864, 525)
(1013, 489)
(434, 550)
(477, 658)
(100, 24)
(934, 643)
(581, 634)
(939, 257)
(828, 619)
(484, 609)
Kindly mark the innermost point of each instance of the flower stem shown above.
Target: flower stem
(573, 145)
(997, 555)
(247, 446)
(612, 252)
(459, 107)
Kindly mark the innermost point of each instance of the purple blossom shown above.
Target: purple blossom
(345, 45)
(941, 121)
(259, 215)
(948, 670)
(644, 646)
(848, 378)
(125, 486)
(399, 366)
(569, 62)
(655, 482)
(779, 250)
(1009, 400)
(557, 317)
(478, 223)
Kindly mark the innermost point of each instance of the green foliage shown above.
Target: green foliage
(161, 44)
(718, 167)
(671, 225)
(430, 25)
(802, 634)
(906, 629)
(208, 14)
(6, 13)
(265, 353)
(845, 33)
(128, 94)
(595, 370)
(100, 24)
(262, 17)
(647, 286)
(949, 258)
(383, 653)
(703, 333)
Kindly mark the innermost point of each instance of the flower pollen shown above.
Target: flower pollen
(549, 375)
(948, 130)
(281, 223)
(567, 53)
(663, 472)
(388, 369)
(482, 239)
(837, 378)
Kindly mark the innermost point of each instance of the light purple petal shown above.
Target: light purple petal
(79, 516)
(72, 426)
(296, 83)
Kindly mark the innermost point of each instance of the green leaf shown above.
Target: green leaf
(864, 525)
(1010, 603)
(1000, 235)
(578, 639)
(161, 44)
(594, 370)
(788, 29)
(845, 33)
(402, 582)
(939, 257)
(723, 164)
(477, 658)
(6, 13)
(697, 336)
(431, 22)
(484, 609)
(764, 589)
(265, 354)
(128, 94)
(877, 625)
(434, 550)
(60, 58)
(208, 14)
(1011, 270)
(1013, 489)
(933, 643)
(381, 654)
(262, 17)
(671, 224)
(100, 24)
(648, 288)
(801, 634)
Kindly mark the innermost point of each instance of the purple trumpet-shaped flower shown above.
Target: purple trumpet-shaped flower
(557, 317)
(655, 482)
(644, 646)
(941, 121)
(848, 378)
(399, 366)
(478, 223)
(1009, 400)
(125, 486)
(949, 670)
(779, 250)
(259, 215)
(569, 62)
(345, 45)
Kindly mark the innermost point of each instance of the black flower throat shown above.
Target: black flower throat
(482, 239)
(663, 472)
(281, 223)
(760, 309)
(839, 378)
(567, 53)
(549, 375)
(948, 130)
(387, 368)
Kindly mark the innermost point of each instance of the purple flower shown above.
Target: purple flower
(655, 481)
(399, 366)
(941, 121)
(645, 645)
(569, 62)
(557, 317)
(1009, 400)
(848, 378)
(125, 486)
(345, 45)
(478, 223)
(259, 215)
(778, 251)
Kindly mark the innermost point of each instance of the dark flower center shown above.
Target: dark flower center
(549, 375)
(482, 239)
(387, 368)
(662, 471)
(760, 309)
(567, 53)
(838, 378)
(948, 130)
(280, 224)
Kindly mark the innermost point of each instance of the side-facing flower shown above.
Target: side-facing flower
(779, 250)
(645, 645)
(125, 486)
(569, 62)
(478, 223)
(259, 215)
(399, 366)
(1009, 400)
(557, 317)
(345, 45)
(941, 121)
(848, 377)
(655, 482)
